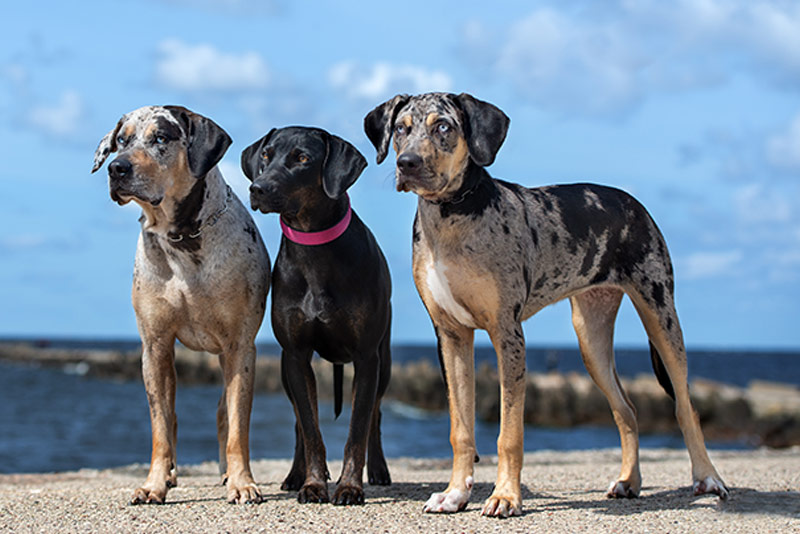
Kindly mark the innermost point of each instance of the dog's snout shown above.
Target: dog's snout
(257, 190)
(120, 168)
(409, 162)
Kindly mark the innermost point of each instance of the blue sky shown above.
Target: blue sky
(693, 106)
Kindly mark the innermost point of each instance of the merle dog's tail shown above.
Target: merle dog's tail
(661, 371)
(338, 371)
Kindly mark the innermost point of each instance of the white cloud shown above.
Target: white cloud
(202, 67)
(62, 119)
(756, 203)
(783, 149)
(709, 264)
(382, 80)
(604, 60)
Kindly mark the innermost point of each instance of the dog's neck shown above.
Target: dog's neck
(476, 191)
(317, 214)
(182, 219)
(321, 237)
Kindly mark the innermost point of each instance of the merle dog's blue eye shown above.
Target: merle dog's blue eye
(160, 139)
(399, 129)
(444, 127)
(121, 141)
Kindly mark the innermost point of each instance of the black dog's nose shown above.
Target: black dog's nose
(119, 168)
(409, 162)
(257, 190)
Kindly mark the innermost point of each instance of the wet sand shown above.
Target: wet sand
(562, 492)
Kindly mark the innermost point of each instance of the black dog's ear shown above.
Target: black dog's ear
(108, 144)
(379, 124)
(208, 142)
(485, 127)
(251, 157)
(342, 166)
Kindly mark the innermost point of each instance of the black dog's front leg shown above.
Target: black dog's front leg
(350, 489)
(302, 388)
(297, 474)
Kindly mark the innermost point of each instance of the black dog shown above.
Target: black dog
(331, 294)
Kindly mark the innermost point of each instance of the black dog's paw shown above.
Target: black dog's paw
(379, 476)
(293, 481)
(348, 495)
(313, 493)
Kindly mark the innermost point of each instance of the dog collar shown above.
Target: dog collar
(319, 238)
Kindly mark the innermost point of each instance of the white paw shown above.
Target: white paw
(711, 485)
(450, 501)
(620, 489)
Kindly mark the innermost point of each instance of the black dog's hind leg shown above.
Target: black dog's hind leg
(377, 470)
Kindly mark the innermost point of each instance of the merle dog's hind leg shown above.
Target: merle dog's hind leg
(377, 470)
(593, 314)
(664, 331)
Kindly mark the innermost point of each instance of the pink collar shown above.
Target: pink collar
(319, 238)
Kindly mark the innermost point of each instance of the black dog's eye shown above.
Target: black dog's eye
(265, 156)
(302, 158)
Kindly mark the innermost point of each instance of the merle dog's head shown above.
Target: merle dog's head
(292, 167)
(435, 137)
(162, 150)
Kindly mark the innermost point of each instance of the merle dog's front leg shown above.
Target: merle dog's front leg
(302, 389)
(350, 489)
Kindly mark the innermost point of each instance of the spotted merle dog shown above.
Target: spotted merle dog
(201, 276)
(489, 254)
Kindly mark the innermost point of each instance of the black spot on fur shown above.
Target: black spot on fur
(554, 239)
(588, 258)
(477, 193)
(540, 283)
(187, 219)
(669, 323)
(658, 294)
(252, 232)
(505, 229)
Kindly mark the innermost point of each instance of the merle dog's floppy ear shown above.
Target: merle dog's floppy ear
(379, 123)
(208, 142)
(108, 144)
(251, 157)
(342, 166)
(485, 127)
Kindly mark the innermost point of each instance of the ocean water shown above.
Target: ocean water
(56, 420)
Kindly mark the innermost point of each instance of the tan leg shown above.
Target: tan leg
(458, 358)
(593, 316)
(239, 372)
(669, 344)
(158, 372)
(222, 434)
(509, 343)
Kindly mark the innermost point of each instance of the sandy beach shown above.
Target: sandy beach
(563, 492)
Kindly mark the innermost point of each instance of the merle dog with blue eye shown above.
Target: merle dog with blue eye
(331, 295)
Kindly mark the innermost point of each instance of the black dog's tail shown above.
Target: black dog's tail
(661, 372)
(338, 370)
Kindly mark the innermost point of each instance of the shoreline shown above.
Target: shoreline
(562, 491)
(763, 414)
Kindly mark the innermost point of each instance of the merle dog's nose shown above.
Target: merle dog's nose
(119, 168)
(409, 162)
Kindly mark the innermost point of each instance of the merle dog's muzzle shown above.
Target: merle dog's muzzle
(121, 183)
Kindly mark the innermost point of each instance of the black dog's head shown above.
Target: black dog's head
(163, 150)
(435, 137)
(290, 167)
